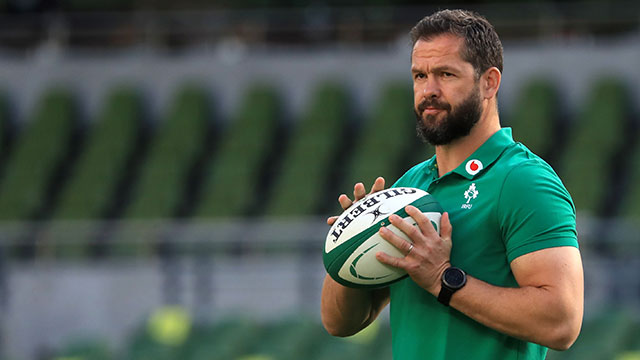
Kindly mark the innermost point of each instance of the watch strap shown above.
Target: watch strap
(444, 297)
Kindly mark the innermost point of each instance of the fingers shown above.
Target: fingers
(424, 223)
(401, 244)
(344, 201)
(445, 227)
(391, 260)
(359, 191)
(378, 185)
(410, 230)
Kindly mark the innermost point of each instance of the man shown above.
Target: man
(503, 279)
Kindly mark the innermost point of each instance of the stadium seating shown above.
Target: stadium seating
(108, 146)
(38, 154)
(306, 170)
(85, 349)
(384, 142)
(92, 186)
(630, 202)
(172, 153)
(595, 138)
(535, 114)
(159, 192)
(233, 175)
(4, 127)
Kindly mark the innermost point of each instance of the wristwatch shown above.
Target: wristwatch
(453, 279)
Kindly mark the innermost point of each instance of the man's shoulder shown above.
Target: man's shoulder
(520, 164)
(527, 177)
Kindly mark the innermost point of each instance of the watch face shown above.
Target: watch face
(454, 277)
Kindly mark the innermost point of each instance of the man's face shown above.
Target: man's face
(447, 99)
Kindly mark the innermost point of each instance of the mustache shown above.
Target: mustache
(434, 104)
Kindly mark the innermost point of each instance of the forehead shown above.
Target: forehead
(438, 49)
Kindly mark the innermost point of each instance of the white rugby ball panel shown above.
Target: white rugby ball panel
(367, 211)
(362, 267)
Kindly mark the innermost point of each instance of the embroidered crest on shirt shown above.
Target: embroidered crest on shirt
(470, 194)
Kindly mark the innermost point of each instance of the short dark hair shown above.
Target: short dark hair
(482, 46)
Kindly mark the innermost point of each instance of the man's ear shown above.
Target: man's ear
(490, 82)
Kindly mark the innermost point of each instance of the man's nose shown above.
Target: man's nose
(431, 89)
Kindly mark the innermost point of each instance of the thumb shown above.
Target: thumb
(445, 227)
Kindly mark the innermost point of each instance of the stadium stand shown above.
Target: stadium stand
(383, 143)
(109, 145)
(39, 152)
(534, 118)
(92, 187)
(294, 337)
(585, 167)
(4, 128)
(630, 202)
(233, 175)
(306, 168)
(85, 349)
(161, 187)
(174, 149)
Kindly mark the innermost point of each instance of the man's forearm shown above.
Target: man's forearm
(537, 314)
(345, 311)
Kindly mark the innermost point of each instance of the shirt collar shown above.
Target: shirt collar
(486, 154)
(481, 159)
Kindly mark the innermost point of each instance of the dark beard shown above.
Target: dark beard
(457, 124)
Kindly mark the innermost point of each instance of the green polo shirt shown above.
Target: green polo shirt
(503, 202)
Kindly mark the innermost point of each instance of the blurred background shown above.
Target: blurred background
(166, 168)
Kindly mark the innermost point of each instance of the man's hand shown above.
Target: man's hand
(429, 257)
(359, 192)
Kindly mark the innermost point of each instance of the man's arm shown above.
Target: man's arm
(345, 311)
(546, 308)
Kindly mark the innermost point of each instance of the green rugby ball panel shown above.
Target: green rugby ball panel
(353, 240)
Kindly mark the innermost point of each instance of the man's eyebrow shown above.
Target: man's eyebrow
(444, 68)
(441, 68)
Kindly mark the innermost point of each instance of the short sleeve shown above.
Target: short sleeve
(535, 210)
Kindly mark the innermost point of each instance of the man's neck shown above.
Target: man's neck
(450, 156)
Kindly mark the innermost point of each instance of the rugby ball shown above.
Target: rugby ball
(353, 241)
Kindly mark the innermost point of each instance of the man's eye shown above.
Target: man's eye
(447, 74)
(419, 76)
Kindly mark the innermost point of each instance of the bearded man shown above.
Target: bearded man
(504, 278)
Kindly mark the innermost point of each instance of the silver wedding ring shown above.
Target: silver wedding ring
(410, 249)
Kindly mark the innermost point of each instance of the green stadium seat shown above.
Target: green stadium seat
(362, 346)
(630, 202)
(585, 168)
(159, 192)
(177, 144)
(227, 339)
(85, 349)
(231, 177)
(386, 141)
(288, 339)
(38, 153)
(4, 128)
(101, 166)
(536, 111)
(307, 165)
